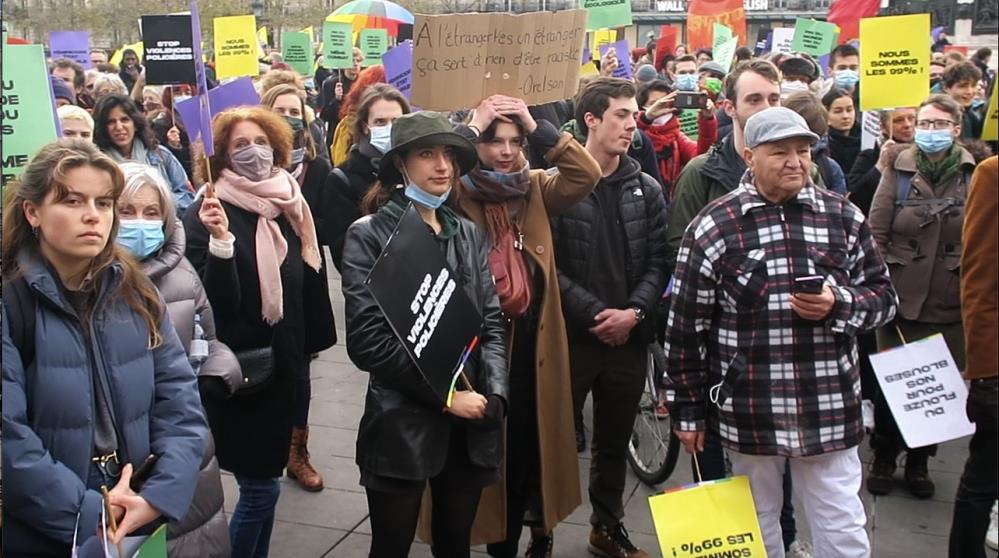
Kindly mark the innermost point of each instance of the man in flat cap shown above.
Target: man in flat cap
(773, 282)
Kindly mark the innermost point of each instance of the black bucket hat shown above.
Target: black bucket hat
(424, 129)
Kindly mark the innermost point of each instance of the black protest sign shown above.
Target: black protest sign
(427, 308)
(169, 49)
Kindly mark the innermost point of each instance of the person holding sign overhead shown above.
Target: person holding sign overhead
(916, 217)
(407, 434)
(252, 239)
(512, 203)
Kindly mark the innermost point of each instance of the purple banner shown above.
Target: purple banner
(238, 92)
(203, 129)
(74, 45)
(623, 58)
(399, 67)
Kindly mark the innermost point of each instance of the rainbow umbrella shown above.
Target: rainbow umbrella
(359, 22)
(375, 8)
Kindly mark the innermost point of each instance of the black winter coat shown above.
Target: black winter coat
(253, 429)
(864, 178)
(844, 148)
(342, 198)
(403, 433)
(644, 218)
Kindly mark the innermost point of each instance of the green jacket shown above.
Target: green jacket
(706, 177)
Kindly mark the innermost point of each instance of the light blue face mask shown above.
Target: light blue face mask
(425, 199)
(846, 79)
(297, 156)
(141, 237)
(687, 82)
(933, 141)
(381, 138)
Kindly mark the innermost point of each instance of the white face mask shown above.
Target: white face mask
(662, 119)
(787, 88)
(380, 137)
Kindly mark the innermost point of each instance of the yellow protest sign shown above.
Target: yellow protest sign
(718, 519)
(137, 47)
(602, 37)
(990, 132)
(588, 69)
(235, 54)
(894, 61)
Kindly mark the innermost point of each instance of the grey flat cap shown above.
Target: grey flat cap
(645, 73)
(712, 67)
(776, 124)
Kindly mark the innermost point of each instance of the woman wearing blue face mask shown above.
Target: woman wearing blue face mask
(404, 438)
(310, 171)
(378, 108)
(916, 218)
(253, 241)
(149, 230)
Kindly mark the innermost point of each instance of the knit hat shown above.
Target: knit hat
(645, 73)
(62, 90)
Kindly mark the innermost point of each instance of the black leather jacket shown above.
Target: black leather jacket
(403, 432)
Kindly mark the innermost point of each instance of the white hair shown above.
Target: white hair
(113, 80)
(138, 175)
(73, 112)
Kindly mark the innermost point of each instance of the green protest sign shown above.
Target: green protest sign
(607, 14)
(28, 109)
(721, 34)
(296, 48)
(374, 43)
(337, 47)
(817, 38)
(725, 52)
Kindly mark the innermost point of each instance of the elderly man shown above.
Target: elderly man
(774, 280)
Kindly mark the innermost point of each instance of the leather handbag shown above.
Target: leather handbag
(257, 366)
(513, 279)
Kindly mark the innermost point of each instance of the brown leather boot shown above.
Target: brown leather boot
(299, 467)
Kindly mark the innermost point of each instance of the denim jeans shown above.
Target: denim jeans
(253, 518)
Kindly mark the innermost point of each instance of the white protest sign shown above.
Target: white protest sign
(924, 390)
(870, 129)
(783, 38)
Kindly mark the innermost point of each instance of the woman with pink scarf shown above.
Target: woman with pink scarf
(252, 239)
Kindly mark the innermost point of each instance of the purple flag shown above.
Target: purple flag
(399, 67)
(74, 45)
(204, 127)
(238, 92)
(623, 58)
(935, 33)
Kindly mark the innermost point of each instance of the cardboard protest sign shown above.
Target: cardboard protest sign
(720, 34)
(29, 119)
(399, 67)
(623, 54)
(337, 47)
(703, 14)
(894, 61)
(169, 47)
(924, 389)
(603, 14)
(535, 57)
(373, 43)
(296, 49)
(990, 131)
(603, 37)
(783, 40)
(74, 45)
(719, 519)
(235, 53)
(427, 309)
(870, 129)
(725, 53)
(814, 37)
(665, 44)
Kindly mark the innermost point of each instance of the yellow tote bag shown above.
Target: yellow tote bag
(713, 519)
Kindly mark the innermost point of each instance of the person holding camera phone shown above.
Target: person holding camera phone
(773, 283)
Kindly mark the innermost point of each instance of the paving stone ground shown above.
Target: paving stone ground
(333, 523)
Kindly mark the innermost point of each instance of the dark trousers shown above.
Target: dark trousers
(523, 459)
(977, 491)
(303, 397)
(616, 378)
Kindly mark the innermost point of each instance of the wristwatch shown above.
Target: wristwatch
(639, 313)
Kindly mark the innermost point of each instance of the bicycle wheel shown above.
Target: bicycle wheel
(653, 447)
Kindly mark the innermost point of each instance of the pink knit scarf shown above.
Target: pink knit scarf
(271, 198)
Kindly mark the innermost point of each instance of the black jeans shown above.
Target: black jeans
(616, 378)
(977, 491)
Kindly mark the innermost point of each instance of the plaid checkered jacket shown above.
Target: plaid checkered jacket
(768, 381)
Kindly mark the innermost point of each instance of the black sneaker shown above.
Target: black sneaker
(613, 542)
(540, 547)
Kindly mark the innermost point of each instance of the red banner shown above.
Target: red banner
(848, 13)
(665, 45)
(703, 14)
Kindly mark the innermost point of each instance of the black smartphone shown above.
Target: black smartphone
(142, 472)
(811, 284)
(690, 100)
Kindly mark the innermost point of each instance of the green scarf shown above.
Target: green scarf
(939, 172)
(398, 202)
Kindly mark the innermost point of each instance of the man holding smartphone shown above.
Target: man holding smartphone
(773, 282)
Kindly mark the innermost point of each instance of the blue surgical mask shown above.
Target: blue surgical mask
(933, 141)
(381, 137)
(425, 199)
(141, 237)
(297, 156)
(846, 79)
(687, 82)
